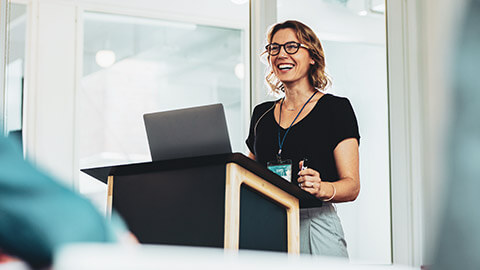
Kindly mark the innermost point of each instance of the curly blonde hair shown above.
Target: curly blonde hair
(317, 76)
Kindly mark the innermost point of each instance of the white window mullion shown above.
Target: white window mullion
(50, 93)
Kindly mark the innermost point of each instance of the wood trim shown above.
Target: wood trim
(232, 207)
(109, 196)
(235, 177)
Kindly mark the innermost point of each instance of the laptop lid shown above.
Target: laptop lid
(190, 132)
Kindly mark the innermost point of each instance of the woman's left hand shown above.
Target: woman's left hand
(309, 180)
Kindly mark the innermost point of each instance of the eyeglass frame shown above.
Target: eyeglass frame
(300, 45)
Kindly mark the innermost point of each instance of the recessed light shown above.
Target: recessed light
(105, 58)
(240, 71)
(363, 13)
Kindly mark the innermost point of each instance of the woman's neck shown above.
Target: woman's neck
(295, 97)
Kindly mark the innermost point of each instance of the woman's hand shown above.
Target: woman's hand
(310, 181)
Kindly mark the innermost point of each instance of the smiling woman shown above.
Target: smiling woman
(330, 144)
(355, 58)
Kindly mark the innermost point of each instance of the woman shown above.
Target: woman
(308, 124)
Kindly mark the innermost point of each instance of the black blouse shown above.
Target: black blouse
(314, 137)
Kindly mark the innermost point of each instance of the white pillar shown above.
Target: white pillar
(263, 14)
(50, 93)
(3, 62)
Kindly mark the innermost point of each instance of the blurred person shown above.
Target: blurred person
(307, 124)
(459, 237)
(38, 215)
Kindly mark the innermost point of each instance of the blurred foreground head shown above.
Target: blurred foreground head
(459, 237)
(38, 215)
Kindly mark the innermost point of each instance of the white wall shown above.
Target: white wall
(366, 220)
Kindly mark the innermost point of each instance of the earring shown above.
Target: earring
(312, 63)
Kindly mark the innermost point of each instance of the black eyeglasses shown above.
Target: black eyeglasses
(290, 47)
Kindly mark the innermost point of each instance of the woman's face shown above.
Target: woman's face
(290, 68)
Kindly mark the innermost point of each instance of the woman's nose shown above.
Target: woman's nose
(282, 52)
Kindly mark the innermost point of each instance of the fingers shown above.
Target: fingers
(308, 184)
(309, 180)
(309, 172)
(311, 187)
(308, 175)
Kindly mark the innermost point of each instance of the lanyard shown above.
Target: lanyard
(280, 143)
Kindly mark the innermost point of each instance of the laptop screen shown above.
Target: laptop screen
(191, 132)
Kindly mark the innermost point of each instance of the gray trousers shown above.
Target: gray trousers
(321, 232)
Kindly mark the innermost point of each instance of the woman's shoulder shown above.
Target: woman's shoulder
(332, 98)
(337, 102)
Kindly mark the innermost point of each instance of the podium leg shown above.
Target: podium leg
(109, 196)
(235, 177)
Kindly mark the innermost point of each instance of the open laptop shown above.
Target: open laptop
(190, 132)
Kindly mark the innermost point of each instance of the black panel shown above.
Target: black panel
(263, 223)
(178, 206)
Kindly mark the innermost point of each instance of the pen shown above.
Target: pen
(304, 166)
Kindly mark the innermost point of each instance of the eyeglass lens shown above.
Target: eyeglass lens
(290, 47)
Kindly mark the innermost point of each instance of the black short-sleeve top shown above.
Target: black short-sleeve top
(314, 137)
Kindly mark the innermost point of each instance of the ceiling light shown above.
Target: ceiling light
(105, 58)
(363, 13)
(240, 71)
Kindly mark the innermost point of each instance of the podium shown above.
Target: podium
(226, 200)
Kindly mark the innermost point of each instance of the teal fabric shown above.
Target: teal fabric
(38, 215)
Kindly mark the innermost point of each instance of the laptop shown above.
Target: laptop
(191, 132)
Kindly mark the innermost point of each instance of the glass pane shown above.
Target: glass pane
(15, 70)
(133, 65)
(353, 37)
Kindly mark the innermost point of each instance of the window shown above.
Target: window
(15, 70)
(133, 66)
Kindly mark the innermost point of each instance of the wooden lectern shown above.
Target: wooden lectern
(222, 200)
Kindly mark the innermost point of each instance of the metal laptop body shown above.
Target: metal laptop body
(191, 132)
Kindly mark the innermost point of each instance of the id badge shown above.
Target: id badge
(282, 168)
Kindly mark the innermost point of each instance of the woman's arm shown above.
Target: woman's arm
(347, 187)
(347, 161)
